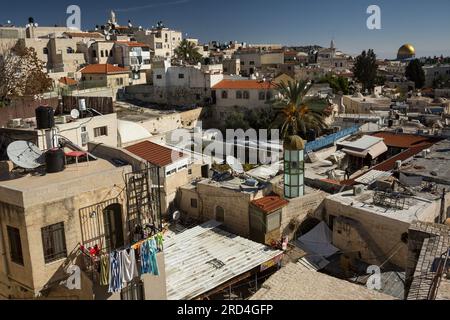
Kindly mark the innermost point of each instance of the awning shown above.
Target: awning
(374, 151)
(318, 241)
(377, 150)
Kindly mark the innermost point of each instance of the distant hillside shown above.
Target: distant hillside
(306, 48)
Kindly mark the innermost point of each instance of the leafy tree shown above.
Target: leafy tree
(339, 84)
(236, 120)
(294, 116)
(188, 52)
(22, 73)
(260, 118)
(365, 69)
(414, 72)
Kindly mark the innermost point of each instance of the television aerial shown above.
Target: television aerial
(25, 154)
(75, 114)
(235, 165)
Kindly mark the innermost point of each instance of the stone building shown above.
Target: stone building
(45, 219)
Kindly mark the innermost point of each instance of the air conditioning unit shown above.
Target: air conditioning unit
(84, 138)
(15, 123)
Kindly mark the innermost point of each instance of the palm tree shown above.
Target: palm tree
(188, 52)
(294, 115)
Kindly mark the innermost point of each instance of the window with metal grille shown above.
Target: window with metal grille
(15, 245)
(54, 242)
(100, 131)
(133, 291)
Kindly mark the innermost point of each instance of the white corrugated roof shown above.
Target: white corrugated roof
(363, 143)
(189, 256)
(371, 176)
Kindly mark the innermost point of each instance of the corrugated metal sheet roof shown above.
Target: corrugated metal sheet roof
(371, 176)
(190, 258)
(270, 203)
(363, 143)
(155, 153)
(401, 140)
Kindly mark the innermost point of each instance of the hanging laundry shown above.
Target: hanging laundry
(115, 272)
(145, 258)
(129, 267)
(149, 263)
(153, 257)
(104, 270)
(159, 241)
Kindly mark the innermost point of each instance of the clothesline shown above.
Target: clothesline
(120, 266)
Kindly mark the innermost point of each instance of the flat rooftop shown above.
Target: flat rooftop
(415, 207)
(35, 188)
(295, 282)
(435, 166)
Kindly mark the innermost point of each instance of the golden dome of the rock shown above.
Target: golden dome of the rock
(406, 51)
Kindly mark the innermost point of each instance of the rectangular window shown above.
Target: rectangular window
(158, 45)
(133, 291)
(159, 76)
(15, 245)
(252, 63)
(181, 76)
(100, 131)
(54, 242)
(273, 221)
(194, 203)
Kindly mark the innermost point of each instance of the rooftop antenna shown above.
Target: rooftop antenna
(25, 154)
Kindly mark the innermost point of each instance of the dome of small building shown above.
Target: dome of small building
(294, 143)
(406, 51)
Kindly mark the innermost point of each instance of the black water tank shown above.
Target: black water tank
(45, 117)
(55, 160)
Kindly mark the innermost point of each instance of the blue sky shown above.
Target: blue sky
(425, 24)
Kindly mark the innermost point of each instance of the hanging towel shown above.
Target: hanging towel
(145, 258)
(153, 259)
(129, 268)
(115, 272)
(104, 270)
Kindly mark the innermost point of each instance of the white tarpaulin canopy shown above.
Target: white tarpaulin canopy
(318, 241)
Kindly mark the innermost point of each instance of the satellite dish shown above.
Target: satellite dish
(108, 37)
(75, 114)
(176, 216)
(235, 165)
(25, 155)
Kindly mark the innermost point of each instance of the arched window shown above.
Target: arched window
(102, 53)
(224, 94)
(220, 214)
(238, 94)
(246, 95)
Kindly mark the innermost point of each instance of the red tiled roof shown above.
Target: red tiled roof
(155, 154)
(244, 84)
(103, 69)
(399, 140)
(270, 204)
(84, 35)
(133, 43)
(68, 81)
